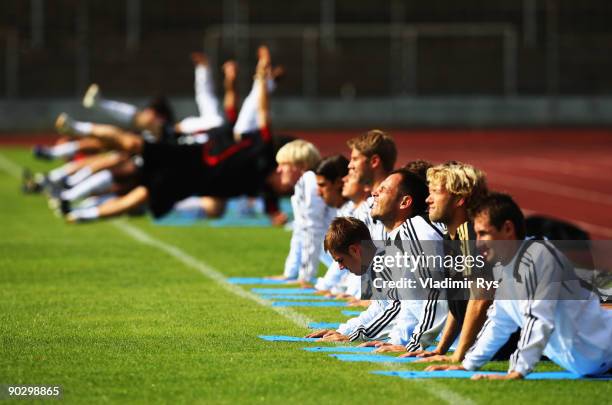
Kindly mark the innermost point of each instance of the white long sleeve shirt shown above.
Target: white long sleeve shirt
(311, 219)
(575, 334)
(420, 321)
(414, 323)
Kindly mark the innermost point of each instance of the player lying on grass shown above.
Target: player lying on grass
(152, 119)
(399, 204)
(558, 318)
(340, 282)
(297, 161)
(147, 120)
(372, 158)
(330, 181)
(453, 189)
(208, 105)
(173, 172)
(71, 173)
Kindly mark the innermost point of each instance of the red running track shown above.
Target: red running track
(564, 173)
(561, 173)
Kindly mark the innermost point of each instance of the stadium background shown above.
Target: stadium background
(129, 311)
(521, 88)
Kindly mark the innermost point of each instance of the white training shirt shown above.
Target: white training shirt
(575, 334)
(311, 220)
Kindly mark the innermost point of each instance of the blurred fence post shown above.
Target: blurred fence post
(510, 68)
(132, 16)
(409, 61)
(309, 62)
(396, 48)
(552, 47)
(37, 23)
(530, 21)
(12, 64)
(82, 48)
(328, 22)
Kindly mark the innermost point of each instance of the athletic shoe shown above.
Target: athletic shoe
(42, 152)
(63, 124)
(65, 207)
(29, 185)
(90, 99)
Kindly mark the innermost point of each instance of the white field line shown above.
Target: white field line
(208, 272)
(10, 167)
(435, 388)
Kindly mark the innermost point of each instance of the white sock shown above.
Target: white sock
(58, 174)
(64, 150)
(85, 214)
(122, 112)
(82, 128)
(247, 117)
(190, 205)
(95, 201)
(98, 182)
(79, 176)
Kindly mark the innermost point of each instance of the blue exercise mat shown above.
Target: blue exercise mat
(273, 297)
(351, 313)
(280, 338)
(255, 280)
(549, 375)
(373, 358)
(238, 213)
(323, 325)
(340, 349)
(309, 304)
(307, 291)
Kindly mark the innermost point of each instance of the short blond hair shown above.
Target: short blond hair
(460, 179)
(299, 153)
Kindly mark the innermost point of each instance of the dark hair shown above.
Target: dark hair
(501, 208)
(413, 185)
(162, 108)
(376, 142)
(344, 232)
(333, 167)
(418, 167)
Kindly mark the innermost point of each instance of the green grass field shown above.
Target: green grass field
(126, 311)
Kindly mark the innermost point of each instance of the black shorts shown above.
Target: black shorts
(171, 173)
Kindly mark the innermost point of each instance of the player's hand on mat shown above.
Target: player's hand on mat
(387, 348)
(321, 292)
(437, 358)
(336, 337)
(442, 367)
(421, 353)
(513, 375)
(371, 343)
(305, 284)
(319, 333)
(359, 303)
